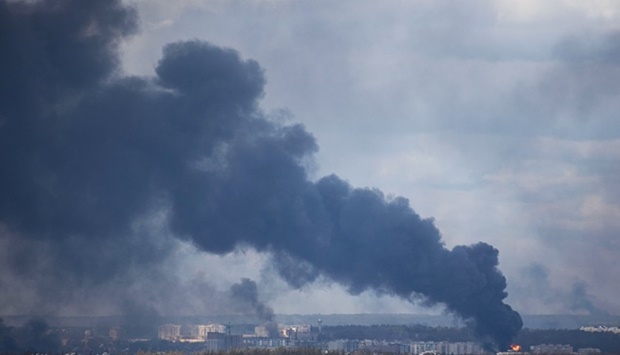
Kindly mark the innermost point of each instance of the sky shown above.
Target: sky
(494, 118)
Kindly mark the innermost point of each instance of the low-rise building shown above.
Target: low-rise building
(445, 347)
(551, 349)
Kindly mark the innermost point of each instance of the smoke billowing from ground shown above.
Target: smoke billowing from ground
(245, 295)
(86, 155)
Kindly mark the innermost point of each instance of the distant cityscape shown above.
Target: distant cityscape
(335, 334)
(97, 336)
(217, 337)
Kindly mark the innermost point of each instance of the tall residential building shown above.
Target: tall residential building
(202, 330)
(169, 332)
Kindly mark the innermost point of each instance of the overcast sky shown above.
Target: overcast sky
(138, 177)
(498, 118)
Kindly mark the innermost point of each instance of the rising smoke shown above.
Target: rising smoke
(85, 154)
(245, 295)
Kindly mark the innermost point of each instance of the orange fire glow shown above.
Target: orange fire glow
(515, 347)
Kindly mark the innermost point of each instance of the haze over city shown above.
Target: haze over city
(313, 157)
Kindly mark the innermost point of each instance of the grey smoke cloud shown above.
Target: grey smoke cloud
(85, 154)
(245, 295)
(535, 280)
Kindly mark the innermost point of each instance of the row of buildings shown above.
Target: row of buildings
(218, 337)
(422, 347)
(177, 332)
(558, 349)
(600, 329)
(200, 332)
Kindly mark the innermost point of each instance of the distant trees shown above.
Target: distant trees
(277, 351)
(397, 332)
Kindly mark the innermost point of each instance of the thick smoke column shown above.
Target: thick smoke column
(245, 294)
(85, 153)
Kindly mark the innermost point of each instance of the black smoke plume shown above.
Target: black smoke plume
(86, 153)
